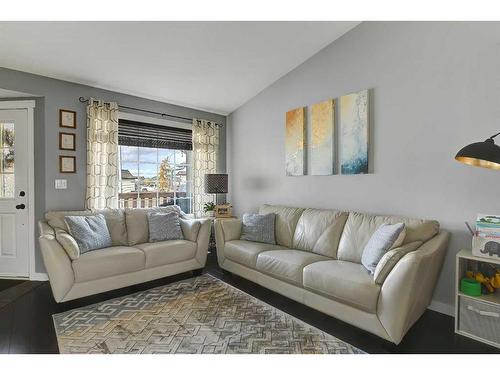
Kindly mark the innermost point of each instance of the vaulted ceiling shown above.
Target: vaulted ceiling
(214, 66)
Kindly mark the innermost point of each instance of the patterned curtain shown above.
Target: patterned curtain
(205, 152)
(102, 155)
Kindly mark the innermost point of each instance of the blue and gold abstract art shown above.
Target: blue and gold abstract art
(354, 133)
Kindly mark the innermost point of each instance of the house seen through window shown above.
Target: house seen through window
(155, 165)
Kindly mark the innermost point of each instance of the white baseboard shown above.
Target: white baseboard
(442, 308)
(10, 277)
(37, 276)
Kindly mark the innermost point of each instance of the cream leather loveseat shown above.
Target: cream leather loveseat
(317, 261)
(131, 259)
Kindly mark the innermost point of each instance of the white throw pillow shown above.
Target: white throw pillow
(380, 242)
(401, 238)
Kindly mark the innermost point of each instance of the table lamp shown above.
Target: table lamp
(216, 183)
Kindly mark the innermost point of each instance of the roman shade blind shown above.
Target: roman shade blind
(133, 133)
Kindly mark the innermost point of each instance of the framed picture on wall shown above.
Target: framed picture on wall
(66, 141)
(67, 164)
(67, 119)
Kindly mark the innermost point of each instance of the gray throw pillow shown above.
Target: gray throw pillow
(258, 228)
(90, 232)
(164, 226)
(380, 242)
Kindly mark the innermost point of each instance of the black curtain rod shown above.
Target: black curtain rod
(83, 100)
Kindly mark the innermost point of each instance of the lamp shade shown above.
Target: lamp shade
(216, 183)
(481, 154)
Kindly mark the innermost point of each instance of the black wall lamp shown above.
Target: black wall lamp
(481, 154)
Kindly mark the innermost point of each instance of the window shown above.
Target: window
(156, 166)
(7, 160)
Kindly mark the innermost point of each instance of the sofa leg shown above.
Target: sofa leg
(197, 272)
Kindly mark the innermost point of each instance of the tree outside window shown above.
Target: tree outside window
(152, 177)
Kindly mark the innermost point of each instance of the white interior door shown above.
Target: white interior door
(14, 178)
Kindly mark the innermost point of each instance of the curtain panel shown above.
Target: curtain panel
(102, 155)
(205, 153)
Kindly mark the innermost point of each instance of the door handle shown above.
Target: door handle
(21, 206)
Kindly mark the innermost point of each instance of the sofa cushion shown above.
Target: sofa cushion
(359, 228)
(286, 221)
(167, 252)
(115, 220)
(286, 264)
(112, 261)
(346, 282)
(319, 231)
(138, 225)
(56, 218)
(245, 252)
(116, 225)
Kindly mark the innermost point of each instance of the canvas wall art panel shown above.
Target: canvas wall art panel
(295, 136)
(354, 133)
(322, 138)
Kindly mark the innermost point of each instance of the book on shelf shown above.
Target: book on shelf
(486, 238)
(488, 224)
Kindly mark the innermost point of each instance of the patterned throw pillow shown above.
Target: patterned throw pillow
(164, 226)
(380, 242)
(90, 232)
(258, 228)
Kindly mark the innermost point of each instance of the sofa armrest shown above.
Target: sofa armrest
(204, 227)
(190, 228)
(45, 229)
(57, 263)
(408, 289)
(226, 230)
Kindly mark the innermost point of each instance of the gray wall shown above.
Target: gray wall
(436, 88)
(54, 94)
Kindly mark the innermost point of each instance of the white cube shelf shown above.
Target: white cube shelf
(476, 317)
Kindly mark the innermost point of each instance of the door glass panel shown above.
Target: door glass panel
(7, 160)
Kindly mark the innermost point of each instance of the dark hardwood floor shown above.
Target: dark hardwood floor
(8, 283)
(26, 319)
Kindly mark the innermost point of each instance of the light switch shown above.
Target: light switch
(61, 184)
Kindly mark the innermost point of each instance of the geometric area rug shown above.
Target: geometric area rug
(198, 315)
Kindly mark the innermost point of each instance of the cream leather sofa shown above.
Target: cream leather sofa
(317, 261)
(131, 259)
